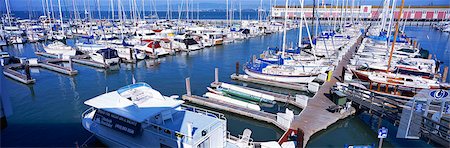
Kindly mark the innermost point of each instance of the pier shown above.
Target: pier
(25, 78)
(232, 108)
(315, 117)
(80, 59)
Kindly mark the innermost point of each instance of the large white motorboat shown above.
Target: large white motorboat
(139, 116)
(58, 48)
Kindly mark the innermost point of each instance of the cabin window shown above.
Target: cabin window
(409, 80)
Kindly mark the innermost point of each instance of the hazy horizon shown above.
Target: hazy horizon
(161, 5)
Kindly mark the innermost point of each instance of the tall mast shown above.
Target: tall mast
(391, 21)
(43, 7)
(335, 16)
(187, 10)
(112, 9)
(61, 17)
(51, 7)
(317, 19)
(98, 10)
(301, 24)
(284, 28)
(143, 9)
(8, 12)
(395, 36)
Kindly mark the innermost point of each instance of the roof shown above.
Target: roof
(136, 102)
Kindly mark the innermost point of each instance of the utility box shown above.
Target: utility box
(339, 98)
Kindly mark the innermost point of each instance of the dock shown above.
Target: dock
(79, 59)
(315, 117)
(270, 118)
(257, 115)
(23, 78)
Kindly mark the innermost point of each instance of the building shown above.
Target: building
(366, 12)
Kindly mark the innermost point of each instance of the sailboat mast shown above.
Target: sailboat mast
(43, 7)
(61, 17)
(284, 28)
(143, 9)
(301, 24)
(391, 21)
(395, 36)
(112, 9)
(98, 10)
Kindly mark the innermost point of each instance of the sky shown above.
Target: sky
(161, 5)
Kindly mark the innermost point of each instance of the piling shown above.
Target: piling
(444, 76)
(131, 54)
(188, 86)
(70, 64)
(414, 44)
(27, 71)
(237, 68)
(430, 56)
(216, 75)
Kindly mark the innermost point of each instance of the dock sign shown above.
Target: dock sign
(382, 133)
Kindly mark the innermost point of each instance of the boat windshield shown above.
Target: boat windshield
(190, 41)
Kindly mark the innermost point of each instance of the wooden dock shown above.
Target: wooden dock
(292, 86)
(23, 78)
(315, 117)
(80, 59)
(220, 105)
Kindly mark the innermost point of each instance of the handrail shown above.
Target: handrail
(203, 111)
(89, 110)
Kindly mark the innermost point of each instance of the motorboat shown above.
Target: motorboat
(106, 56)
(139, 116)
(58, 48)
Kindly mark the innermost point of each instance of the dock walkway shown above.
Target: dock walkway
(315, 117)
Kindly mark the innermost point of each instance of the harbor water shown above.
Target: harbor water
(55, 103)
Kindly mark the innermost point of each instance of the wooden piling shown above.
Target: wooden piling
(188, 86)
(414, 44)
(27, 71)
(444, 76)
(70, 64)
(216, 75)
(237, 68)
(430, 56)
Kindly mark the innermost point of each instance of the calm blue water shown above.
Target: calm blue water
(48, 113)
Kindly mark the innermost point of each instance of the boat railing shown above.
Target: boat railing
(203, 111)
(89, 110)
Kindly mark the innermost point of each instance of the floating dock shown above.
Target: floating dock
(80, 59)
(220, 105)
(23, 78)
(232, 108)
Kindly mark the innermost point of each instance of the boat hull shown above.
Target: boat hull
(288, 79)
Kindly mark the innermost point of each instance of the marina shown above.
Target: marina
(124, 73)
